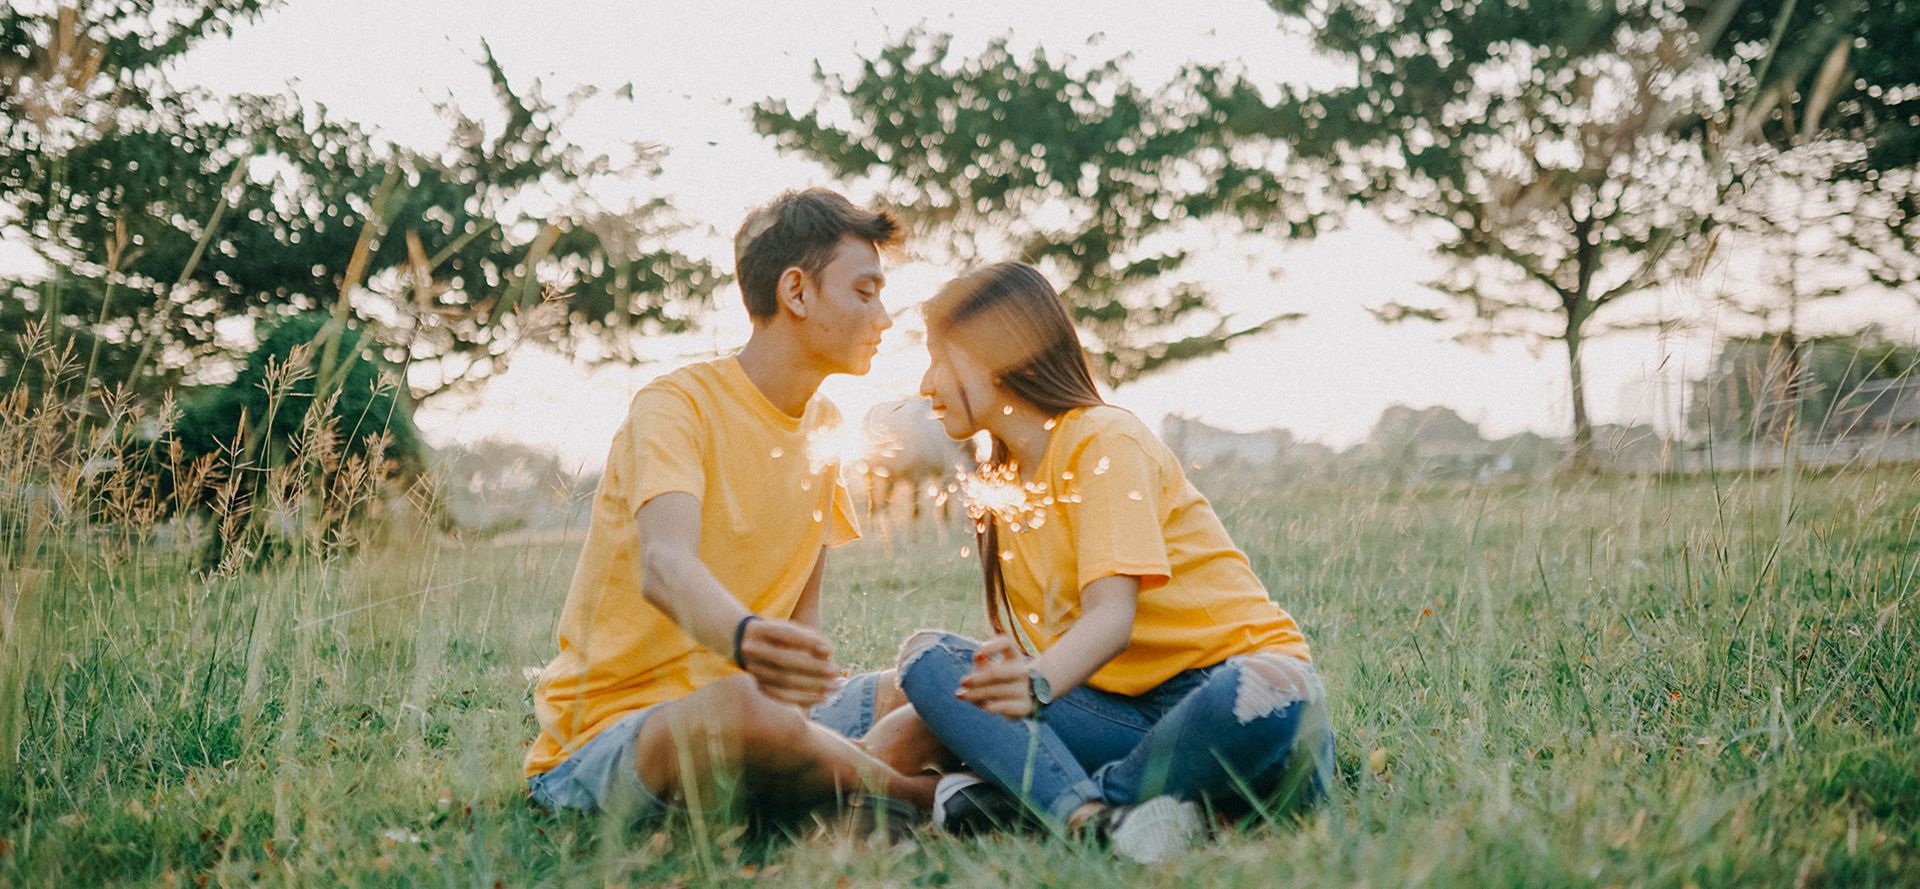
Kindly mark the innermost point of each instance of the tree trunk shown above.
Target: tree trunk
(1582, 458)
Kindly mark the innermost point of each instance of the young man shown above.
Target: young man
(690, 640)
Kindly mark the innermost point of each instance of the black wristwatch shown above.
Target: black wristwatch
(1040, 688)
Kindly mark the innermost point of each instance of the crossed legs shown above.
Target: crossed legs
(689, 749)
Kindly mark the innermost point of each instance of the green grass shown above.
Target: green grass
(1630, 682)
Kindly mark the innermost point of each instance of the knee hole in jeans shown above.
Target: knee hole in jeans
(917, 646)
(1270, 683)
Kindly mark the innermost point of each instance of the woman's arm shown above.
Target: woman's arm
(1000, 682)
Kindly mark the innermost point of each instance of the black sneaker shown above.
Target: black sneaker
(965, 804)
(1148, 832)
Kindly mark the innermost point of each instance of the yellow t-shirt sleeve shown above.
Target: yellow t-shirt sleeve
(1117, 519)
(844, 527)
(660, 447)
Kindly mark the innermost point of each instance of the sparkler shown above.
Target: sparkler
(996, 492)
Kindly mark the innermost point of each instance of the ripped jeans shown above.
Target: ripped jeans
(1247, 734)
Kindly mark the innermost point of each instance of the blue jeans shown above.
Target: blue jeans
(1239, 735)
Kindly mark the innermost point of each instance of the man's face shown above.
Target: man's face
(844, 314)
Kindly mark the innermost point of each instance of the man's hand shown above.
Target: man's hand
(1000, 682)
(792, 662)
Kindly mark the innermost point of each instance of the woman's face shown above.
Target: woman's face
(961, 389)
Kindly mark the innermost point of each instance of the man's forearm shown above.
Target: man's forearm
(807, 610)
(684, 587)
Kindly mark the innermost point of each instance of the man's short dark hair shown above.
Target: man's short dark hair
(800, 229)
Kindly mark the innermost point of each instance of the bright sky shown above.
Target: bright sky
(695, 67)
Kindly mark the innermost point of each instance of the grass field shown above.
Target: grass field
(1707, 682)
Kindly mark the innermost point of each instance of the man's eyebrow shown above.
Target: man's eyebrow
(879, 278)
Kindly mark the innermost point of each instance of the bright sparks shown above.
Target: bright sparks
(847, 445)
(995, 492)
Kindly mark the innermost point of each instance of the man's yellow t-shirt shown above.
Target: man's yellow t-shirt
(1121, 506)
(766, 510)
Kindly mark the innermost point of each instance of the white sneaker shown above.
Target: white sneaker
(946, 789)
(1153, 831)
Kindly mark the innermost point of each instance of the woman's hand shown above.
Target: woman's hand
(1000, 682)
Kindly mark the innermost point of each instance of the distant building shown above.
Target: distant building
(1529, 453)
(1844, 390)
(1198, 443)
(1855, 401)
(1890, 406)
(1419, 444)
(1637, 448)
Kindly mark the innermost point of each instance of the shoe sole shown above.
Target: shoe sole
(1158, 829)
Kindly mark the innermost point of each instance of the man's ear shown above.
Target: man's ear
(790, 292)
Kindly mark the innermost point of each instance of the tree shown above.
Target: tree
(167, 215)
(1809, 234)
(1832, 95)
(1850, 69)
(310, 433)
(304, 362)
(1072, 167)
(495, 487)
(1560, 154)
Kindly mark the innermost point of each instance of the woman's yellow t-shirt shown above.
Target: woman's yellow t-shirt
(766, 510)
(1122, 506)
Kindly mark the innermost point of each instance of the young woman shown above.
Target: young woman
(1159, 674)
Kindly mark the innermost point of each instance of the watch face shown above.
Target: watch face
(1042, 689)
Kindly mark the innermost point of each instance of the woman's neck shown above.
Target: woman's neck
(1025, 431)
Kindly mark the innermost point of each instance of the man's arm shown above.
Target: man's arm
(790, 661)
(807, 610)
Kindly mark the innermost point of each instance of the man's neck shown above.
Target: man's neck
(778, 369)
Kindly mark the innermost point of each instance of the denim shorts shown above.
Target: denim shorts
(601, 776)
(849, 710)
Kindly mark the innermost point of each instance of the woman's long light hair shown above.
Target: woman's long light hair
(1008, 318)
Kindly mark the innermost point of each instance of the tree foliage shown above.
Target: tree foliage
(1831, 68)
(174, 221)
(1830, 89)
(1073, 167)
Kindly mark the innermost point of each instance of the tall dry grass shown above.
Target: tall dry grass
(1700, 681)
